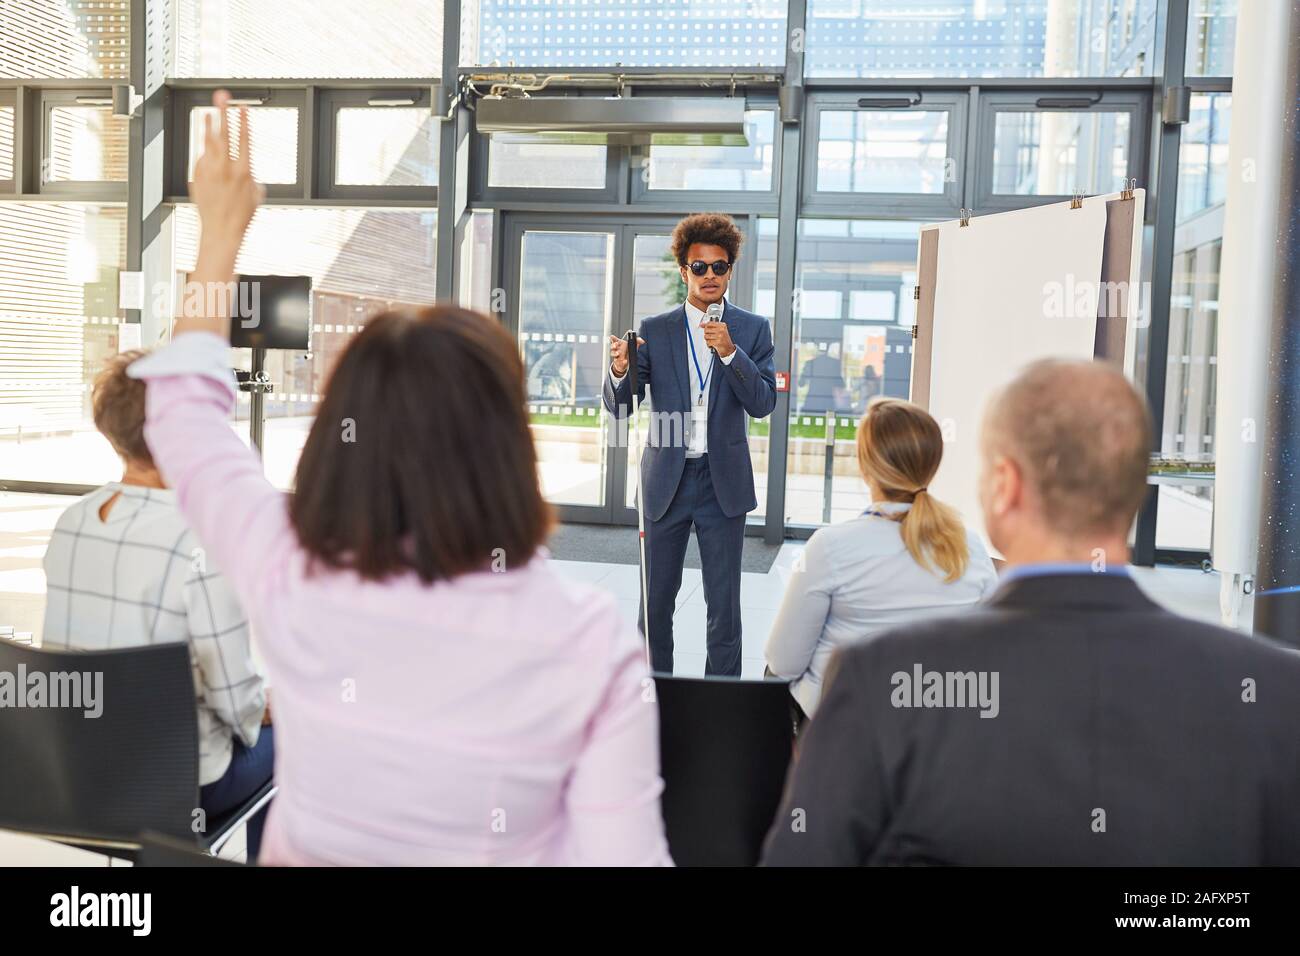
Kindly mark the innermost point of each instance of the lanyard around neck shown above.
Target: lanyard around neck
(702, 376)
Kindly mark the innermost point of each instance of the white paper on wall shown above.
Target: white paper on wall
(1010, 288)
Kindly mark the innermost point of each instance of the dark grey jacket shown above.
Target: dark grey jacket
(1124, 735)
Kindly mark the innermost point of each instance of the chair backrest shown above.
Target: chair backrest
(725, 746)
(67, 773)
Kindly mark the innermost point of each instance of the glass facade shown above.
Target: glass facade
(360, 261)
(274, 132)
(566, 243)
(59, 261)
(980, 38)
(1203, 154)
(878, 151)
(566, 290)
(678, 33)
(6, 142)
(385, 146)
(1185, 514)
(65, 39)
(1059, 153)
(1211, 36)
(315, 38)
(852, 341)
(723, 168)
(546, 165)
(84, 144)
(59, 321)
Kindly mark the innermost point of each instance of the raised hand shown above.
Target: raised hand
(226, 196)
(224, 190)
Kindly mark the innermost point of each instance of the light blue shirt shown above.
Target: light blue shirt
(855, 580)
(1048, 568)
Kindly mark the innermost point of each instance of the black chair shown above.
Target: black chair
(98, 783)
(725, 746)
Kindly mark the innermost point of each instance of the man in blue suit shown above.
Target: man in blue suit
(704, 377)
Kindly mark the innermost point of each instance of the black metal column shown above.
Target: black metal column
(453, 152)
(1168, 137)
(146, 214)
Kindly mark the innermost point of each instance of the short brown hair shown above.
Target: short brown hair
(421, 457)
(117, 405)
(1082, 435)
(710, 229)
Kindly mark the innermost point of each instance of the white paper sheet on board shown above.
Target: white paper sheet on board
(1010, 288)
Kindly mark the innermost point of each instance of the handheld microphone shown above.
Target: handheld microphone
(714, 314)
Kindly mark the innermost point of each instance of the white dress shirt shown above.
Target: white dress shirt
(698, 433)
(141, 577)
(857, 579)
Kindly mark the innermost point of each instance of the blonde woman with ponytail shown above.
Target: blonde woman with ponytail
(906, 557)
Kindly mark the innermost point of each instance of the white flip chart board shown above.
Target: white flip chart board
(1008, 289)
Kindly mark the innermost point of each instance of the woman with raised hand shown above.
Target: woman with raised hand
(906, 557)
(442, 696)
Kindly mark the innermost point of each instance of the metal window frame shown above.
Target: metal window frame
(886, 205)
(184, 100)
(485, 195)
(326, 145)
(992, 102)
(750, 201)
(48, 100)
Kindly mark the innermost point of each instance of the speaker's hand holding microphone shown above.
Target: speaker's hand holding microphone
(716, 333)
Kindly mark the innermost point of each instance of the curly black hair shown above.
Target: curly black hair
(710, 229)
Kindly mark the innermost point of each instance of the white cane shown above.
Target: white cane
(632, 372)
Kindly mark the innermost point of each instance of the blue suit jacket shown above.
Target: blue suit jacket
(748, 384)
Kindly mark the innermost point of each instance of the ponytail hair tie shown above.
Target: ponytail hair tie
(921, 489)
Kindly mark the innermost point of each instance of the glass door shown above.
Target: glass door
(656, 286)
(571, 283)
(561, 308)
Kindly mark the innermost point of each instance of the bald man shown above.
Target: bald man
(1070, 720)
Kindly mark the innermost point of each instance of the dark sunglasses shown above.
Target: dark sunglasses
(720, 268)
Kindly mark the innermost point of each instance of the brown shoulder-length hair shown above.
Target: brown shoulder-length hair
(420, 458)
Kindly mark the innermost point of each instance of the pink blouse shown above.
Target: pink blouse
(498, 718)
